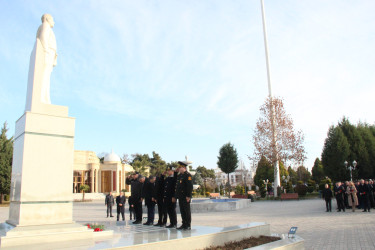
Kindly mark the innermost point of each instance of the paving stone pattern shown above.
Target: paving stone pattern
(321, 230)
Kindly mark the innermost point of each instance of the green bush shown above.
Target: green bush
(253, 187)
(301, 189)
(6, 197)
(239, 189)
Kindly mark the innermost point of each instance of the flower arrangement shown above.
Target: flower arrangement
(97, 228)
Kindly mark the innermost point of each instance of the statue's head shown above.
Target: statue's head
(49, 19)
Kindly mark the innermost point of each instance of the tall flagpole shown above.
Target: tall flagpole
(275, 155)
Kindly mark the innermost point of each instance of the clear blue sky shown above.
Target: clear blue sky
(184, 77)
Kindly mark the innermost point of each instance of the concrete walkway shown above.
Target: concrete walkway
(320, 230)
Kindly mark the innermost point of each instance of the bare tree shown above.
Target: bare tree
(288, 146)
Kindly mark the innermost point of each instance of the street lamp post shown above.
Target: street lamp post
(351, 168)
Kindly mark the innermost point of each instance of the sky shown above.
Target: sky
(182, 78)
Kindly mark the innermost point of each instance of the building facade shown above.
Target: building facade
(105, 177)
(238, 177)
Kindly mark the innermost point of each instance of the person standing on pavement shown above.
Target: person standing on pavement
(339, 194)
(327, 196)
(148, 194)
(169, 193)
(136, 194)
(184, 188)
(363, 193)
(159, 190)
(120, 200)
(351, 191)
(371, 193)
(109, 202)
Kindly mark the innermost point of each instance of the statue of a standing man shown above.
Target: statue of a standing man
(47, 38)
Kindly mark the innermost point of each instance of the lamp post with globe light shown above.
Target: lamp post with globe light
(351, 168)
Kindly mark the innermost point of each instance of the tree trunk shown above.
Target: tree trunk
(1, 198)
(228, 187)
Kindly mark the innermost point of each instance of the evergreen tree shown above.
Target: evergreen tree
(303, 174)
(6, 158)
(197, 179)
(293, 175)
(369, 139)
(357, 148)
(227, 159)
(317, 171)
(336, 151)
(157, 165)
(264, 171)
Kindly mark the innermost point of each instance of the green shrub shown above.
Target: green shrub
(6, 197)
(301, 189)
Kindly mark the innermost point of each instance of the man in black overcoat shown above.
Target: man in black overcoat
(120, 201)
(148, 194)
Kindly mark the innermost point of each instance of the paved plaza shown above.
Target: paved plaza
(321, 230)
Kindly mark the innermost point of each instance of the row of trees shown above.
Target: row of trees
(264, 171)
(6, 157)
(348, 142)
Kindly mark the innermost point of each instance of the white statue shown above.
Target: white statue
(42, 60)
(47, 38)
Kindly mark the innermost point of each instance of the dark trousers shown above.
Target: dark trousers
(109, 210)
(162, 211)
(329, 205)
(185, 212)
(131, 212)
(138, 210)
(171, 210)
(150, 212)
(365, 202)
(340, 203)
(120, 210)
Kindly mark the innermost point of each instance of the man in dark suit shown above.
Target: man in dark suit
(159, 190)
(109, 202)
(169, 193)
(136, 194)
(120, 201)
(184, 188)
(364, 191)
(148, 194)
(339, 194)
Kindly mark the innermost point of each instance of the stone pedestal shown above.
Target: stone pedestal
(42, 172)
(41, 205)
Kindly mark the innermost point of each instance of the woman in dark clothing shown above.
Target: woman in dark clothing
(327, 195)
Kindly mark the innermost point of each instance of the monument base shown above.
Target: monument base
(29, 235)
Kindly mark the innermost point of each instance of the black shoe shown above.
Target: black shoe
(157, 225)
(170, 226)
(181, 227)
(187, 228)
(364, 211)
(147, 223)
(327, 211)
(162, 225)
(111, 216)
(137, 222)
(117, 219)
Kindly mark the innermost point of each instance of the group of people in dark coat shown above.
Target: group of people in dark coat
(163, 191)
(351, 195)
